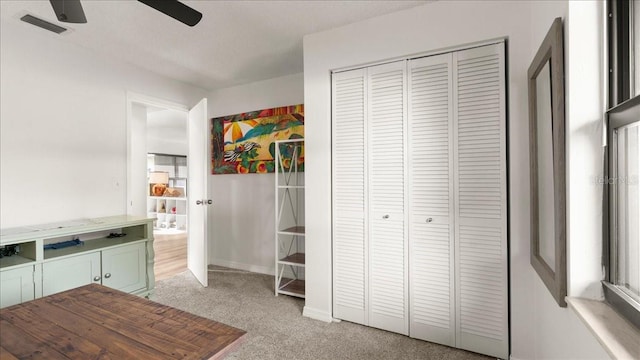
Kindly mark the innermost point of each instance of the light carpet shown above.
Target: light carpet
(276, 328)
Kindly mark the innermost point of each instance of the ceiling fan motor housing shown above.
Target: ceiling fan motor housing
(69, 11)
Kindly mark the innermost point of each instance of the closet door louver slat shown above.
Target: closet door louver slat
(430, 129)
(480, 200)
(386, 91)
(349, 200)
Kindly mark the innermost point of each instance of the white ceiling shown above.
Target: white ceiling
(236, 42)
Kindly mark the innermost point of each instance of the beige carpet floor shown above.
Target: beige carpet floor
(276, 328)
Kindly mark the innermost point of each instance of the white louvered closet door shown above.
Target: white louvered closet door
(431, 214)
(349, 196)
(386, 98)
(481, 200)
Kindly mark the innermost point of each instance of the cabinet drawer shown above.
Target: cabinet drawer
(68, 273)
(124, 267)
(16, 286)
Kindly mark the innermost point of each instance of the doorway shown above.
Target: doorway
(168, 206)
(199, 167)
(158, 149)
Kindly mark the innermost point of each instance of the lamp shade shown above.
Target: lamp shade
(159, 177)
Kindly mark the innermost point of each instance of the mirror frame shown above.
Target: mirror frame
(551, 51)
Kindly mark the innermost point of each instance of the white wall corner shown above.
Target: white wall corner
(243, 220)
(317, 314)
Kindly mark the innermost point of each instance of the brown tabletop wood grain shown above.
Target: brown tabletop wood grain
(96, 322)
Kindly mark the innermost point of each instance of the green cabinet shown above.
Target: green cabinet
(114, 251)
(122, 268)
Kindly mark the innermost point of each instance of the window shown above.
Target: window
(622, 286)
(636, 42)
(627, 155)
(622, 250)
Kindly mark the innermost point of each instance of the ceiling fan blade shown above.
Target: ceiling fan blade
(69, 11)
(176, 10)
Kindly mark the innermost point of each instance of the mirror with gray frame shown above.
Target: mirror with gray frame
(547, 163)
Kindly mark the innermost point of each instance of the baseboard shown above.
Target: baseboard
(246, 267)
(317, 314)
(513, 358)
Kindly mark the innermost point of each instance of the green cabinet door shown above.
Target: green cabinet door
(16, 286)
(71, 272)
(124, 267)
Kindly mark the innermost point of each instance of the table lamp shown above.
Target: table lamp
(158, 181)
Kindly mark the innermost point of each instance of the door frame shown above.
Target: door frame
(133, 97)
(134, 179)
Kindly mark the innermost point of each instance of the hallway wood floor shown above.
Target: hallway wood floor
(171, 255)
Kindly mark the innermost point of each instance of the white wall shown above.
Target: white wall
(555, 328)
(536, 321)
(242, 223)
(63, 126)
(167, 132)
(585, 158)
(137, 167)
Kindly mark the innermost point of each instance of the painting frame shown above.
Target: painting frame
(245, 143)
(551, 268)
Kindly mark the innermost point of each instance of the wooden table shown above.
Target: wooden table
(96, 322)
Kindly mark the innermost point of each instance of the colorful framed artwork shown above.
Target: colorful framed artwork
(245, 143)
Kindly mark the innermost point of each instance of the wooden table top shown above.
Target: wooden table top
(97, 322)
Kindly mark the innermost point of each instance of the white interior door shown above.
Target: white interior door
(480, 176)
(197, 187)
(386, 95)
(431, 215)
(350, 251)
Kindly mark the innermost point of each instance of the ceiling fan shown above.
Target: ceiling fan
(70, 11)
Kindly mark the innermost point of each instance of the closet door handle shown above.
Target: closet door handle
(107, 275)
(97, 278)
(385, 217)
(199, 202)
(429, 220)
